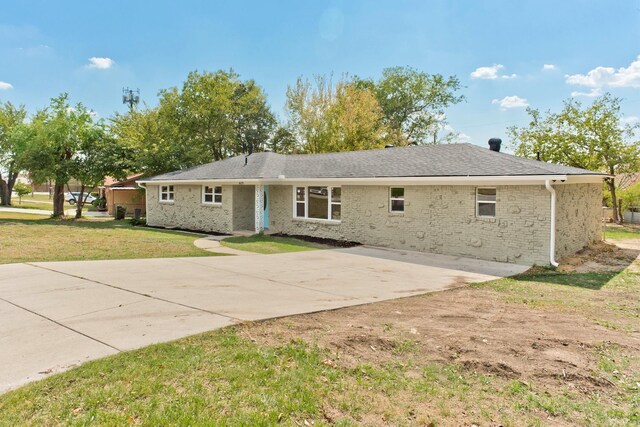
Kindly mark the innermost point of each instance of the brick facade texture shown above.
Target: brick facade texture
(437, 219)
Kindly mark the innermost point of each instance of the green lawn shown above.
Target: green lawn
(227, 377)
(264, 244)
(32, 238)
(617, 232)
(37, 201)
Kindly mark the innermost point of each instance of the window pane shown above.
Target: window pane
(318, 202)
(336, 194)
(163, 196)
(486, 209)
(218, 198)
(397, 206)
(335, 211)
(486, 194)
(208, 190)
(208, 198)
(397, 192)
(300, 194)
(218, 190)
(299, 210)
(171, 188)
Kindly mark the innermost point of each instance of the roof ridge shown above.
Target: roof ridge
(538, 164)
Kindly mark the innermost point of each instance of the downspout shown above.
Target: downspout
(552, 238)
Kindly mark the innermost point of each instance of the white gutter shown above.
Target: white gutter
(552, 238)
(439, 180)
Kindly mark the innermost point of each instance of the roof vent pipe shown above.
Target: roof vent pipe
(494, 144)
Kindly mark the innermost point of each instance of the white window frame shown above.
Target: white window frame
(169, 190)
(330, 203)
(495, 202)
(213, 195)
(391, 199)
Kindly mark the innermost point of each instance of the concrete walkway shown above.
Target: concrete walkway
(57, 315)
(212, 244)
(68, 212)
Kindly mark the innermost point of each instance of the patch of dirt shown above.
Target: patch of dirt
(600, 257)
(473, 327)
(320, 240)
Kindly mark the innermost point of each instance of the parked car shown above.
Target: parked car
(71, 197)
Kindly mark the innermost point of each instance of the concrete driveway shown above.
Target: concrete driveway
(56, 315)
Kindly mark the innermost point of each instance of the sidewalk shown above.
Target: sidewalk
(68, 212)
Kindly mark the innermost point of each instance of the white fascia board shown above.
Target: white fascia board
(435, 180)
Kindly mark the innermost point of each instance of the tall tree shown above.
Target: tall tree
(212, 116)
(66, 142)
(591, 137)
(12, 133)
(324, 117)
(99, 155)
(414, 102)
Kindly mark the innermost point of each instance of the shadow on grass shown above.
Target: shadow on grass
(593, 281)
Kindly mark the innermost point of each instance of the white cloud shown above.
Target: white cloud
(630, 120)
(601, 77)
(591, 94)
(487, 73)
(463, 138)
(100, 63)
(548, 67)
(491, 73)
(511, 102)
(5, 85)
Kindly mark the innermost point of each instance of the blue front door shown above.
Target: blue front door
(266, 206)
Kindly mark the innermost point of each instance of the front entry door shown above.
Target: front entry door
(266, 206)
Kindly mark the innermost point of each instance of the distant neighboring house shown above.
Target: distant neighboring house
(124, 193)
(632, 214)
(457, 199)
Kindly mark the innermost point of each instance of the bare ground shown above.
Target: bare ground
(481, 329)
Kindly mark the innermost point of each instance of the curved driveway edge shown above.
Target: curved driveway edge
(57, 315)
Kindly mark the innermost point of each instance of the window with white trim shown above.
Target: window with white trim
(317, 202)
(396, 199)
(486, 202)
(166, 193)
(211, 195)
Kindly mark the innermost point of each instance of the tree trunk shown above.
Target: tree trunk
(620, 213)
(614, 201)
(11, 181)
(80, 203)
(58, 200)
(3, 192)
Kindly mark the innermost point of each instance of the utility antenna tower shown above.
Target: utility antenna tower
(131, 97)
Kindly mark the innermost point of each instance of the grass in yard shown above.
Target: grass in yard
(622, 232)
(38, 201)
(33, 238)
(490, 354)
(264, 244)
(610, 299)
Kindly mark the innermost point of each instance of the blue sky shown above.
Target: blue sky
(497, 48)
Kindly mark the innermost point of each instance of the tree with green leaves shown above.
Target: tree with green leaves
(99, 155)
(324, 117)
(12, 139)
(68, 143)
(211, 117)
(591, 137)
(21, 190)
(414, 102)
(282, 141)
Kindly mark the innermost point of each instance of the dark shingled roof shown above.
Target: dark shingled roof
(412, 161)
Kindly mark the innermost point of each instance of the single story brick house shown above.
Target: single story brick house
(455, 199)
